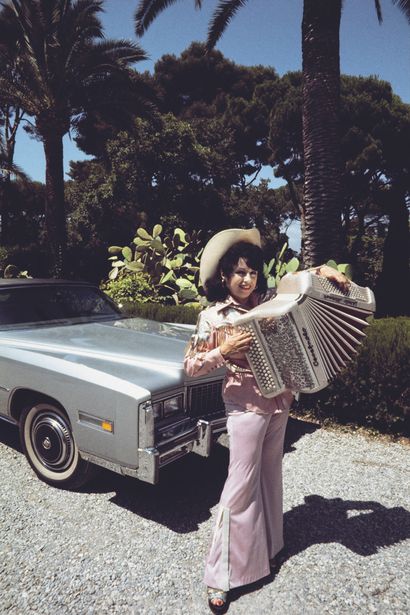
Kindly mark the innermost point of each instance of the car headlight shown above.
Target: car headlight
(173, 405)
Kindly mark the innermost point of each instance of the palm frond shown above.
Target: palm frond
(148, 10)
(57, 52)
(378, 8)
(92, 7)
(13, 169)
(221, 18)
(30, 21)
(78, 27)
(120, 46)
(9, 31)
(404, 6)
(81, 20)
(107, 55)
(18, 95)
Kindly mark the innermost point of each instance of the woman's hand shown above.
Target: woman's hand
(235, 346)
(334, 276)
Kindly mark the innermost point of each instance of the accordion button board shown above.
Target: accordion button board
(307, 334)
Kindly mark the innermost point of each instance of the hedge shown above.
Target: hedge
(374, 391)
(163, 313)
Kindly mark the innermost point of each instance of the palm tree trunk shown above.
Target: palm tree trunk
(392, 294)
(10, 131)
(55, 205)
(7, 193)
(5, 210)
(322, 202)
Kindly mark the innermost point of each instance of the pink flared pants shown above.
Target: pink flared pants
(249, 525)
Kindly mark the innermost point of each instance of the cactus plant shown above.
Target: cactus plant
(171, 263)
(342, 267)
(277, 267)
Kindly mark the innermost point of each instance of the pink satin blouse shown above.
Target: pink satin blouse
(240, 390)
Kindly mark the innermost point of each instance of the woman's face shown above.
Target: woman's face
(242, 282)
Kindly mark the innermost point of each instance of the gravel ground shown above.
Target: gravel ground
(121, 546)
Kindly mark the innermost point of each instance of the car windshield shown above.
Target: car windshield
(42, 304)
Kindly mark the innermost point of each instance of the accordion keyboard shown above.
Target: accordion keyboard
(280, 348)
(307, 334)
(355, 292)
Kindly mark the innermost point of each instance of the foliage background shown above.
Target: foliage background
(195, 163)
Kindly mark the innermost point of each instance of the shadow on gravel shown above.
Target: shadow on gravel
(363, 527)
(9, 435)
(188, 488)
(296, 429)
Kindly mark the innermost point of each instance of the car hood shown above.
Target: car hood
(144, 352)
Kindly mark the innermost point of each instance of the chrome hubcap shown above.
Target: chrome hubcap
(47, 444)
(52, 441)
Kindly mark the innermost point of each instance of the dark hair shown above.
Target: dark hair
(215, 290)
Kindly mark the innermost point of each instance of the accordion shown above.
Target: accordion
(306, 334)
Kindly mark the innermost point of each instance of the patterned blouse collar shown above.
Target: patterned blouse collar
(231, 303)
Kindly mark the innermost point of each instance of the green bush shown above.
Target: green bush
(163, 313)
(134, 288)
(374, 391)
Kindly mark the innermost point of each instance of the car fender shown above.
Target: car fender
(88, 396)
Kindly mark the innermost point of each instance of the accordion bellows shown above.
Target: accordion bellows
(306, 334)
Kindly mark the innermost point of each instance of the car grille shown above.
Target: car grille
(205, 399)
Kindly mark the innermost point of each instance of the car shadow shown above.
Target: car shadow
(189, 488)
(9, 435)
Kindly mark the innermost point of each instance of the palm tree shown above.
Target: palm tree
(10, 118)
(322, 202)
(7, 170)
(61, 58)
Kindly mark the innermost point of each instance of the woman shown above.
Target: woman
(249, 526)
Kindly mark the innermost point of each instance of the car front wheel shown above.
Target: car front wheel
(49, 446)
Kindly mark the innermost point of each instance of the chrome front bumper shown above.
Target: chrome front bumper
(198, 439)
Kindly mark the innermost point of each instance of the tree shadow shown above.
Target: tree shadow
(296, 429)
(363, 527)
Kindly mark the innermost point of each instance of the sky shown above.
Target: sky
(264, 32)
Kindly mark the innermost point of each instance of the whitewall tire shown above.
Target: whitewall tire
(49, 446)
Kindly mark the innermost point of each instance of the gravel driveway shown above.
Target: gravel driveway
(122, 546)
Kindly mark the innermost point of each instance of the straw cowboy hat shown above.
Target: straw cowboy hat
(219, 244)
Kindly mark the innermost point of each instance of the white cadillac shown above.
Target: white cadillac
(88, 386)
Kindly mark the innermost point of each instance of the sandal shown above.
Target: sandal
(217, 594)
